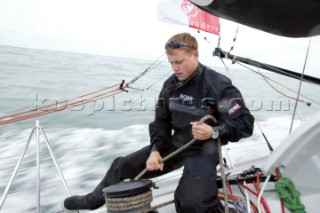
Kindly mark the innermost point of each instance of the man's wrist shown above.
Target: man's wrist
(154, 148)
(215, 133)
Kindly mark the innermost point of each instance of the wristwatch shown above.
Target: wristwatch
(215, 134)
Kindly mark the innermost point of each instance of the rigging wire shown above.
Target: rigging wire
(165, 75)
(154, 64)
(267, 80)
(234, 40)
(280, 84)
(275, 89)
(300, 85)
(227, 70)
(59, 106)
(60, 102)
(264, 136)
(78, 101)
(205, 38)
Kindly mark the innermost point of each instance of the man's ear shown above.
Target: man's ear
(196, 53)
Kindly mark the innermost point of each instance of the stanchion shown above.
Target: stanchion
(38, 129)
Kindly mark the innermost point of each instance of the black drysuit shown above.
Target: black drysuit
(180, 102)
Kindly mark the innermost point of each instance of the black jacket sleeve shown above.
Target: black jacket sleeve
(235, 120)
(160, 129)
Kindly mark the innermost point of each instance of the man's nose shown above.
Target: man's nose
(175, 67)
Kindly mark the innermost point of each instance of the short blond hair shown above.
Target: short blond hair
(186, 38)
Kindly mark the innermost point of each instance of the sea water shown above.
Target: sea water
(86, 139)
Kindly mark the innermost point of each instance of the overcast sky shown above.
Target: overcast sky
(132, 29)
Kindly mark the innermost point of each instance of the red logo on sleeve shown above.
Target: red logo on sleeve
(235, 108)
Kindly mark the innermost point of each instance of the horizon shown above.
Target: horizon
(95, 27)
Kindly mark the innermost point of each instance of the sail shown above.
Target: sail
(184, 12)
(299, 18)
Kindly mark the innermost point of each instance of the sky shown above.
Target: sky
(132, 29)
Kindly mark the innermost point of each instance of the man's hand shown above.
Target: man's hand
(152, 163)
(201, 131)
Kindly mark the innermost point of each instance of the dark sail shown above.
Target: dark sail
(290, 18)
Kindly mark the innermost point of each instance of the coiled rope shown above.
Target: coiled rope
(128, 203)
(291, 197)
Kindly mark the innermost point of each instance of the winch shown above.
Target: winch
(129, 196)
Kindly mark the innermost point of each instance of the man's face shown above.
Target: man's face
(183, 64)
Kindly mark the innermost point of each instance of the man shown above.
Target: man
(192, 92)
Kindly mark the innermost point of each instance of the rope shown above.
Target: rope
(223, 175)
(291, 197)
(157, 206)
(262, 190)
(123, 204)
(281, 200)
(239, 202)
(187, 145)
(180, 149)
(263, 201)
(78, 101)
(129, 203)
(59, 106)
